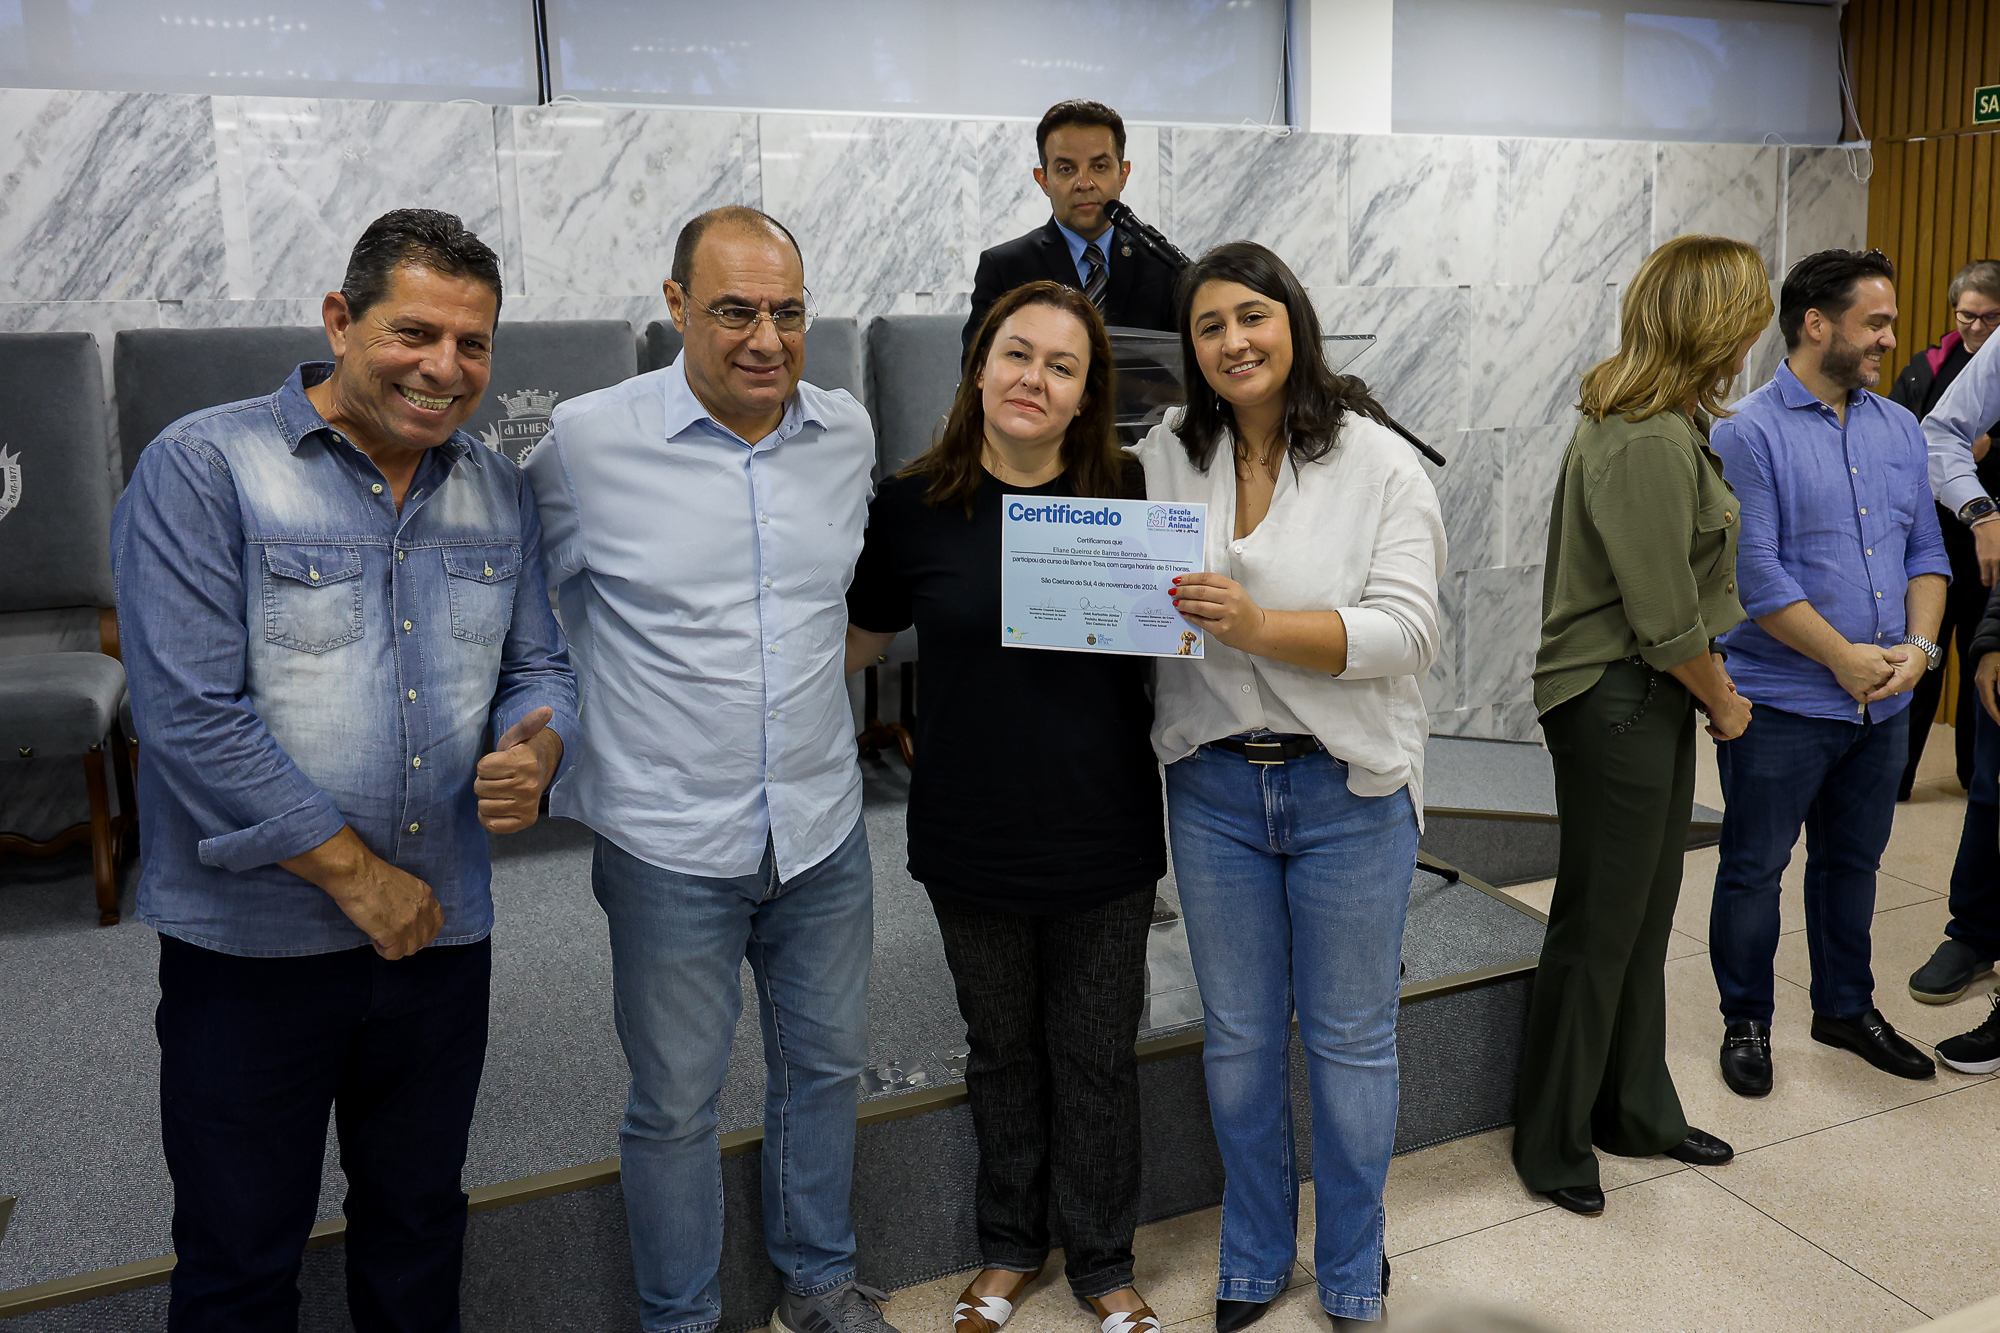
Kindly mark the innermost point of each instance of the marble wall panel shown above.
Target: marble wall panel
(1576, 210)
(309, 175)
(1532, 461)
(1288, 192)
(1469, 492)
(108, 197)
(878, 203)
(1500, 628)
(1441, 683)
(601, 192)
(1491, 722)
(1531, 345)
(1826, 208)
(1008, 202)
(1417, 365)
(1423, 209)
(1719, 189)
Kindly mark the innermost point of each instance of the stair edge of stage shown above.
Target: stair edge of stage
(551, 1251)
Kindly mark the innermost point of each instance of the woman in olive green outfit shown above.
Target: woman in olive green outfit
(1640, 580)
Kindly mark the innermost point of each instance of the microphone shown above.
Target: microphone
(1149, 237)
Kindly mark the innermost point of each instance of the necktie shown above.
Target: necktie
(1097, 276)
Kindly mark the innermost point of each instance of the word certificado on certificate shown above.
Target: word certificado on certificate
(1097, 576)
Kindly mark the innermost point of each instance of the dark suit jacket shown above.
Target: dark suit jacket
(1140, 295)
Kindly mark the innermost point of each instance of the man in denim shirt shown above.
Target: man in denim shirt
(1843, 574)
(329, 599)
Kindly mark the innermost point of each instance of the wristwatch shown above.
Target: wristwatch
(1976, 509)
(1933, 653)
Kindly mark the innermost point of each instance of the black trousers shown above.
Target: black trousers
(254, 1054)
(1052, 1007)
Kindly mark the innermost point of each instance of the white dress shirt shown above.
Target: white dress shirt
(1968, 407)
(703, 583)
(1358, 532)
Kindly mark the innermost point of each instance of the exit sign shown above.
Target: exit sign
(1986, 105)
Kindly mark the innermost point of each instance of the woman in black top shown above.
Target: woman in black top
(1035, 820)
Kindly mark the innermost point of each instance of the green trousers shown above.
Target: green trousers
(1595, 1067)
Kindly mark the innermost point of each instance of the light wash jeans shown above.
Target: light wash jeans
(1294, 890)
(677, 947)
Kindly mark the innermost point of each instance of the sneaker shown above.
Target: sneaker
(1951, 970)
(1978, 1051)
(848, 1308)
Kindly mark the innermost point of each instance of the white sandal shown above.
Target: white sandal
(1141, 1320)
(995, 1310)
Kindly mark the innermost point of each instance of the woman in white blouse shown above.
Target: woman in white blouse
(1294, 755)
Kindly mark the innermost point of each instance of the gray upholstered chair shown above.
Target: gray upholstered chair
(164, 374)
(913, 371)
(835, 355)
(55, 540)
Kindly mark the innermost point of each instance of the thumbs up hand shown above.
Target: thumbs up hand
(510, 781)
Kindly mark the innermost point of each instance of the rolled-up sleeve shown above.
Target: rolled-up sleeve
(1762, 582)
(177, 556)
(1968, 407)
(1393, 630)
(1643, 505)
(535, 669)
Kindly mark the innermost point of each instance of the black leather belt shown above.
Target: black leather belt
(1270, 749)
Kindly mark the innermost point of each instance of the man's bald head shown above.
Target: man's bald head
(735, 219)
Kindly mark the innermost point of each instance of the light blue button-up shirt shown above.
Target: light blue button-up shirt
(1076, 248)
(1956, 422)
(703, 581)
(301, 656)
(1835, 514)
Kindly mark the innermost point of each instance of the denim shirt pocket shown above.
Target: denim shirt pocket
(481, 580)
(312, 596)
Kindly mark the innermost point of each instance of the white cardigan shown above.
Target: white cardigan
(1358, 532)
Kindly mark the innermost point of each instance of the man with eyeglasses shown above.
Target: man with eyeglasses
(701, 524)
(1974, 301)
(1959, 430)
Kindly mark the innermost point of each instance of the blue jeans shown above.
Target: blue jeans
(1975, 876)
(677, 948)
(1294, 890)
(1838, 779)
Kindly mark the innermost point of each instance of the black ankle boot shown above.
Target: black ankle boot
(1232, 1315)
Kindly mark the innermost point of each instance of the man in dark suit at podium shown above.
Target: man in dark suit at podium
(1082, 147)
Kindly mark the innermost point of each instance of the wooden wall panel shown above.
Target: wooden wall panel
(1932, 199)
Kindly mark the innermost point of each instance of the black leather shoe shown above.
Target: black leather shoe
(1701, 1148)
(1585, 1200)
(1232, 1315)
(1746, 1057)
(1869, 1036)
(1385, 1275)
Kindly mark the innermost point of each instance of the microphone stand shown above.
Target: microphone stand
(1159, 247)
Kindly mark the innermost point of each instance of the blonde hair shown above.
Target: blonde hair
(1685, 314)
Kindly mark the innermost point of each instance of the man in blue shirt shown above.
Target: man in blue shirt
(1843, 574)
(701, 526)
(315, 798)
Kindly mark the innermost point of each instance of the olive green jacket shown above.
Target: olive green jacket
(1642, 553)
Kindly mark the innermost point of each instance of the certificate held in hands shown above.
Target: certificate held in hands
(1096, 576)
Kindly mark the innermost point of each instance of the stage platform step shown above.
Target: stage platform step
(1490, 809)
(547, 1249)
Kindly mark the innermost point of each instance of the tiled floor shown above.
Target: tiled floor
(1856, 1202)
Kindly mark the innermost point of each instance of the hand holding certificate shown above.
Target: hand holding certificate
(1097, 575)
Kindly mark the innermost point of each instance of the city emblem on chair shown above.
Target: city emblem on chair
(527, 420)
(10, 481)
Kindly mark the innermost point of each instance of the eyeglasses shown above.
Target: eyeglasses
(791, 319)
(1989, 320)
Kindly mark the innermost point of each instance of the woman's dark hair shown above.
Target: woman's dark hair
(1825, 282)
(1090, 452)
(1317, 400)
(423, 237)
